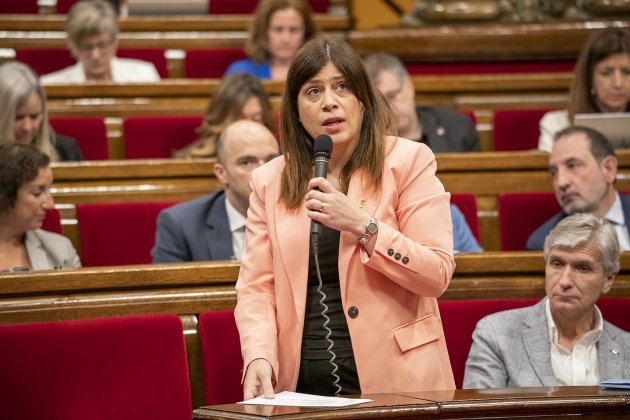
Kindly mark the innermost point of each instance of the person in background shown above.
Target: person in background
(213, 227)
(601, 82)
(92, 30)
(23, 114)
(385, 252)
(463, 238)
(239, 96)
(278, 30)
(562, 340)
(442, 130)
(583, 166)
(25, 181)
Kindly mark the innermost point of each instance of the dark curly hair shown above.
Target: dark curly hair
(19, 164)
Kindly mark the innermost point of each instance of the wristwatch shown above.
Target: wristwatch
(370, 230)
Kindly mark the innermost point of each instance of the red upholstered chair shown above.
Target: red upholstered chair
(520, 214)
(517, 129)
(459, 319)
(114, 368)
(615, 311)
(45, 60)
(117, 233)
(467, 203)
(222, 362)
(89, 132)
(21, 6)
(210, 63)
(158, 137)
(248, 6)
(52, 222)
(63, 6)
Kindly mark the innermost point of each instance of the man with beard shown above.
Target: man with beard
(584, 167)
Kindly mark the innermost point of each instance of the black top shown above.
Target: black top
(67, 148)
(314, 344)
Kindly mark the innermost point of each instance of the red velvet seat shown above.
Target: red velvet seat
(52, 222)
(520, 214)
(48, 60)
(467, 203)
(221, 352)
(117, 233)
(158, 137)
(210, 63)
(89, 132)
(19, 6)
(63, 6)
(248, 6)
(517, 129)
(113, 368)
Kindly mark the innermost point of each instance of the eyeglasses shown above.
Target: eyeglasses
(100, 46)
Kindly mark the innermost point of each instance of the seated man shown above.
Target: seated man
(213, 227)
(583, 165)
(92, 27)
(562, 340)
(442, 130)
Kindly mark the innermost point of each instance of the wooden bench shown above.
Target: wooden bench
(191, 288)
(484, 174)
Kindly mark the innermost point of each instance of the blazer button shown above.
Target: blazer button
(390, 252)
(397, 256)
(405, 260)
(353, 312)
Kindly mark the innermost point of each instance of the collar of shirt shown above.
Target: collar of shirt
(615, 214)
(590, 337)
(235, 218)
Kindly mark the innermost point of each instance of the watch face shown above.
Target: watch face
(372, 227)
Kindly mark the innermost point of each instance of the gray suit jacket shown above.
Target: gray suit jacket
(196, 230)
(512, 348)
(48, 250)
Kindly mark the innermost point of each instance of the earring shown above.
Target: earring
(593, 93)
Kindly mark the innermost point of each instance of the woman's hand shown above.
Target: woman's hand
(334, 209)
(258, 380)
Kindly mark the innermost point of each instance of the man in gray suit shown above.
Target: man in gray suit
(213, 227)
(442, 130)
(562, 340)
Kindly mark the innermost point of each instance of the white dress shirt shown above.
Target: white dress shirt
(123, 70)
(237, 227)
(580, 366)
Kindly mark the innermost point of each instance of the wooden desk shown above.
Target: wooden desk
(469, 403)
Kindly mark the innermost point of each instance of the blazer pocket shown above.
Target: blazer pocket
(417, 333)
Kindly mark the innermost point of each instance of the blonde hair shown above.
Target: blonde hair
(90, 17)
(257, 44)
(17, 83)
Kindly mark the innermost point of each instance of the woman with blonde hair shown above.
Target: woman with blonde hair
(239, 96)
(23, 114)
(279, 29)
(601, 82)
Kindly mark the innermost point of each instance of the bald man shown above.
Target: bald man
(213, 227)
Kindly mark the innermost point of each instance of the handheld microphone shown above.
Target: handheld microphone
(322, 151)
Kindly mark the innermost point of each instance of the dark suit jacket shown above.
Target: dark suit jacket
(512, 349)
(196, 230)
(445, 131)
(536, 241)
(67, 148)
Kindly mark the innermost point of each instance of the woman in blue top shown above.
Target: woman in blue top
(278, 30)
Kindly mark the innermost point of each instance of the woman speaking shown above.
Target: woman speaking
(362, 317)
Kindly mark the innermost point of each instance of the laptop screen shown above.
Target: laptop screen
(615, 126)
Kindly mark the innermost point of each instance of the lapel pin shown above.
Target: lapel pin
(440, 131)
(615, 352)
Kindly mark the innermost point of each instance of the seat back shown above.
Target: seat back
(158, 137)
(89, 132)
(52, 222)
(22, 6)
(517, 129)
(249, 6)
(459, 319)
(210, 63)
(63, 6)
(113, 368)
(615, 310)
(520, 214)
(222, 363)
(118, 233)
(467, 203)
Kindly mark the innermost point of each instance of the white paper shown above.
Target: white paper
(295, 399)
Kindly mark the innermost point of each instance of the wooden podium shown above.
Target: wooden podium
(550, 402)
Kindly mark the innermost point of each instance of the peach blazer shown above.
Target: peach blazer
(389, 298)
